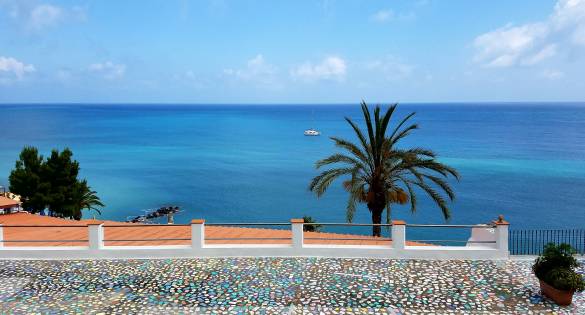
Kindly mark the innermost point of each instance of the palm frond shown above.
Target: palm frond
(350, 209)
(420, 151)
(437, 198)
(404, 132)
(431, 164)
(400, 124)
(340, 158)
(413, 200)
(364, 142)
(353, 148)
(386, 120)
(321, 182)
(442, 184)
(369, 127)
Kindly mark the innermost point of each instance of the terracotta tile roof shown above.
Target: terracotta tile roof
(7, 202)
(75, 233)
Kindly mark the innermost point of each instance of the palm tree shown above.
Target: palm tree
(85, 198)
(380, 173)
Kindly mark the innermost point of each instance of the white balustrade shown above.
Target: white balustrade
(398, 249)
(297, 233)
(197, 234)
(95, 235)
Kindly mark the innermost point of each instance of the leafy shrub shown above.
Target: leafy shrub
(311, 227)
(565, 279)
(556, 266)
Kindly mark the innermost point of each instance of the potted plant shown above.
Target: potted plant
(555, 269)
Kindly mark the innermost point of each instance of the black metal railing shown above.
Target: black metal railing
(531, 242)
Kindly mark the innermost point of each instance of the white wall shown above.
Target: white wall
(198, 248)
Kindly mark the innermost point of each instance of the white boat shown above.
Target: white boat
(312, 132)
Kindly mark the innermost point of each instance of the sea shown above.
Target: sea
(252, 163)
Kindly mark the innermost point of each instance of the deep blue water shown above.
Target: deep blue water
(252, 163)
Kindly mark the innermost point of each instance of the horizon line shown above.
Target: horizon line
(304, 103)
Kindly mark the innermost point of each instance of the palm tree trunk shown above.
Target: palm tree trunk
(377, 219)
(376, 205)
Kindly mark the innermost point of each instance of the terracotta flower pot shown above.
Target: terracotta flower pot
(560, 297)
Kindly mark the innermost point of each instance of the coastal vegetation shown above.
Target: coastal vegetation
(312, 226)
(380, 172)
(52, 184)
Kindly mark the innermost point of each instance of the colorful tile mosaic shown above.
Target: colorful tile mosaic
(274, 286)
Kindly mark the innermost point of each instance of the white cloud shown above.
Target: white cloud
(256, 71)
(391, 67)
(35, 16)
(256, 68)
(509, 45)
(532, 43)
(108, 70)
(43, 16)
(544, 53)
(190, 75)
(578, 36)
(11, 69)
(568, 14)
(386, 15)
(78, 13)
(552, 74)
(382, 16)
(330, 68)
(191, 79)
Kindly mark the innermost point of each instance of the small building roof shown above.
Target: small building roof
(6, 203)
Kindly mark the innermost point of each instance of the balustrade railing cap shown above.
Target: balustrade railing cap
(297, 220)
(197, 221)
(94, 222)
(398, 222)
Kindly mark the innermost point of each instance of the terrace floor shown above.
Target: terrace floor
(274, 286)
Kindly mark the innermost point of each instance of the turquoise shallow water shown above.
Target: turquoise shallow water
(252, 163)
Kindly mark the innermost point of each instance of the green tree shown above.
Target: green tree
(52, 183)
(60, 172)
(25, 180)
(380, 173)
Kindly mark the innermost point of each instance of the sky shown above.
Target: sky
(310, 51)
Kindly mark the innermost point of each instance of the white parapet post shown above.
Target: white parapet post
(197, 234)
(297, 233)
(398, 234)
(502, 235)
(96, 234)
(1, 236)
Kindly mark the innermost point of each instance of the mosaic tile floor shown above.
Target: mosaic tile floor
(274, 286)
